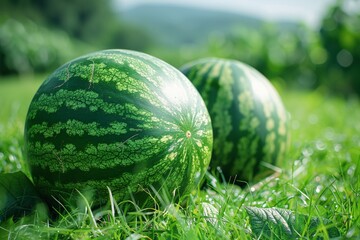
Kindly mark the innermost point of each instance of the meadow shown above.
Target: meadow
(313, 194)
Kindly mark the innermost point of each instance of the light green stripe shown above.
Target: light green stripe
(77, 128)
(220, 111)
(95, 70)
(82, 99)
(101, 155)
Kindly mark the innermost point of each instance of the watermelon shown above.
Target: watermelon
(249, 120)
(117, 119)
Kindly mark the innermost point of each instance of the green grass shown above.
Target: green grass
(15, 96)
(320, 178)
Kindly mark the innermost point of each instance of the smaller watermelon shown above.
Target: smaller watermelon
(248, 117)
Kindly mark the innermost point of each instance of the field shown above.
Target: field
(318, 185)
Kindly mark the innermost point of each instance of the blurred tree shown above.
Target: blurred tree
(18, 9)
(26, 47)
(91, 21)
(278, 51)
(340, 36)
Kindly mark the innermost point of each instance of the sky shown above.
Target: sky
(308, 11)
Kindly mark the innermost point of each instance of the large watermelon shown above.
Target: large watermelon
(248, 117)
(119, 119)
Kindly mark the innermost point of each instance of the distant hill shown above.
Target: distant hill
(177, 25)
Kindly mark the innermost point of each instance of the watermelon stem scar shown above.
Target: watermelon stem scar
(188, 134)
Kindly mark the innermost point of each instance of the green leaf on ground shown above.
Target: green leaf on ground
(277, 223)
(18, 195)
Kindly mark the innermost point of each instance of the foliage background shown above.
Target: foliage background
(40, 35)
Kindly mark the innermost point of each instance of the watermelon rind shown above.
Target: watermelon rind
(250, 122)
(117, 119)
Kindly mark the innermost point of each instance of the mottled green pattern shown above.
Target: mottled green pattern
(120, 119)
(248, 117)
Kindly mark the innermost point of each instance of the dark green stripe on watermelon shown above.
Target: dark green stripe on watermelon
(120, 119)
(248, 117)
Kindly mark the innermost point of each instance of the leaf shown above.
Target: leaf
(277, 223)
(18, 195)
